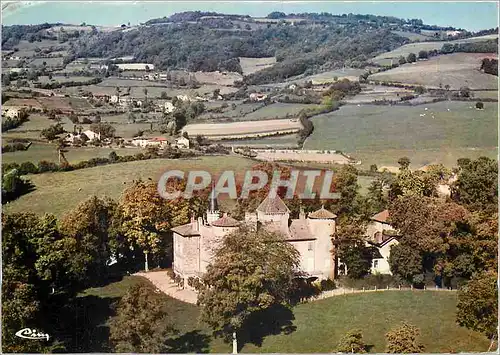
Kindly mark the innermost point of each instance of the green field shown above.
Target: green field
(317, 326)
(414, 37)
(287, 140)
(382, 134)
(385, 58)
(60, 192)
(45, 151)
(454, 70)
(277, 110)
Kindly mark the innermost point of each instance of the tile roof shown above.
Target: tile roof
(381, 217)
(322, 213)
(273, 205)
(226, 221)
(186, 230)
(299, 230)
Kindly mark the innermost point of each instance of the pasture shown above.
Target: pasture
(370, 93)
(414, 37)
(49, 62)
(252, 65)
(283, 141)
(63, 79)
(276, 110)
(385, 58)
(314, 327)
(383, 134)
(244, 128)
(330, 76)
(44, 151)
(217, 78)
(455, 70)
(137, 87)
(59, 192)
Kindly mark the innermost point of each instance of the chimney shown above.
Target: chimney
(302, 214)
(194, 224)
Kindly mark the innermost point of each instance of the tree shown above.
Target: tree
(373, 168)
(145, 91)
(87, 225)
(477, 184)
(411, 58)
(477, 307)
(141, 324)
(376, 197)
(464, 92)
(404, 340)
(406, 262)
(146, 217)
(33, 261)
(479, 105)
(423, 55)
(251, 271)
(346, 183)
(404, 163)
(419, 90)
(352, 342)
(106, 130)
(52, 133)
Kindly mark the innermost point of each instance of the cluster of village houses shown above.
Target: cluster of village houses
(142, 142)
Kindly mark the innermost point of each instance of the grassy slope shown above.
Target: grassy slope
(62, 191)
(319, 325)
(426, 46)
(382, 134)
(43, 151)
(455, 70)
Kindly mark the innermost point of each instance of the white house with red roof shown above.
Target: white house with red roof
(195, 242)
(382, 236)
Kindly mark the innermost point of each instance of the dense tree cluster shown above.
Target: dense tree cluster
(488, 46)
(490, 66)
(196, 47)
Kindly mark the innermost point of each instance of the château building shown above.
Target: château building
(311, 235)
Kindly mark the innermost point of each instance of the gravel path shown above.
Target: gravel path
(163, 282)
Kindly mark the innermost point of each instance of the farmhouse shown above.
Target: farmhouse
(136, 66)
(160, 142)
(91, 135)
(257, 96)
(311, 235)
(182, 142)
(183, 98)
(381, 236)
(10, 112)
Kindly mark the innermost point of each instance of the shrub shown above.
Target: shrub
(404, 339)
(327, 285)
(44, 166)
(28, 168)
(352, 342)
(171, 274)
(479, 105)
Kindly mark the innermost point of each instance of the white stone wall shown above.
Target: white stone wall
(381, 266)
(323, 230)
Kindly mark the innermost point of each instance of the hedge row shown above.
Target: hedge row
(47, 166)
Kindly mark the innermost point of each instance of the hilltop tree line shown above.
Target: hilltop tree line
(195, 47)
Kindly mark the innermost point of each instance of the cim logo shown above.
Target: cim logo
(32, 334)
